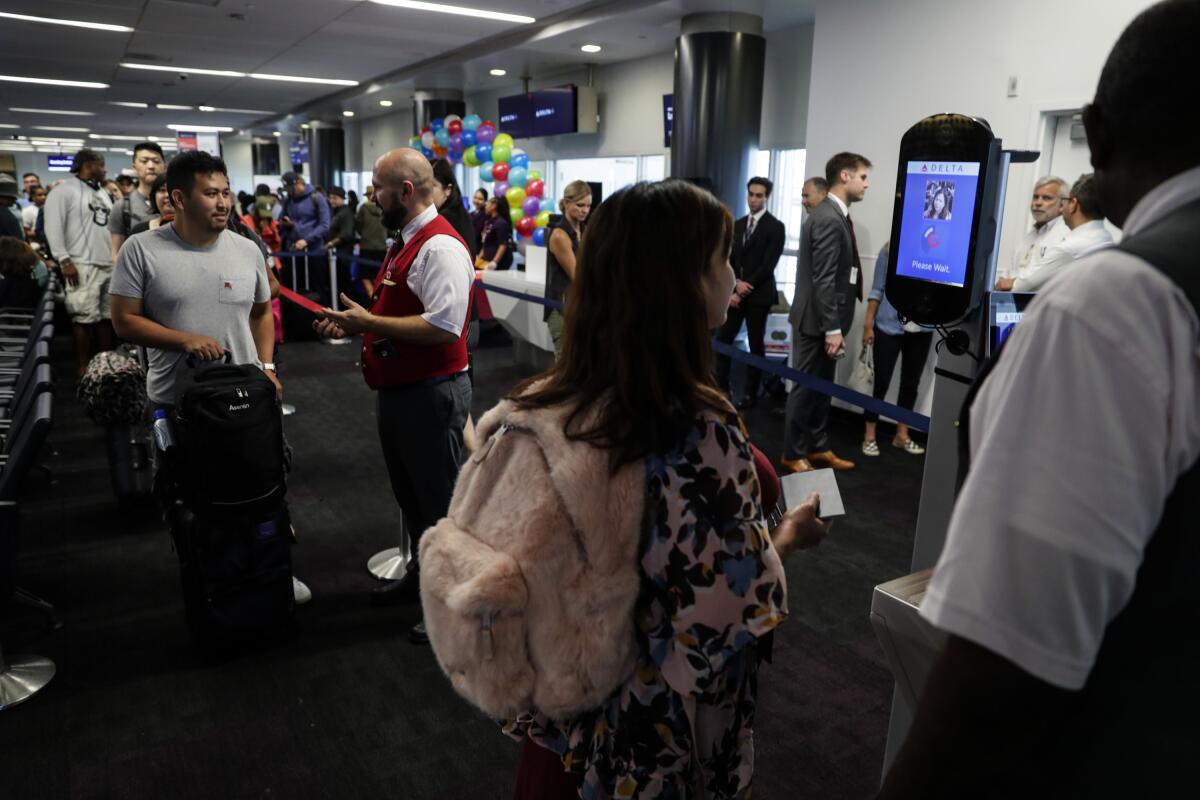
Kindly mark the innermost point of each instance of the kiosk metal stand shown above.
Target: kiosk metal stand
(911, 644)
(21, 677)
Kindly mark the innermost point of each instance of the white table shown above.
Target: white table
(521, 318)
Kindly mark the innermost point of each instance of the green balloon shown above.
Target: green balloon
(503, 140)
(515, 214)
(501, 153)
(542, 219)
(515, 197)
(533, 175)
(469, 157)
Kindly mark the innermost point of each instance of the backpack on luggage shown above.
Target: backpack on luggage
(528, 585)
(229, 435)
(236, 572)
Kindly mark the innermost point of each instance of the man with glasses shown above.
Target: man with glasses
(135, 206)
(76, 220)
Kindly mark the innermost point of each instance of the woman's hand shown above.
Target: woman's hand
(801, 528)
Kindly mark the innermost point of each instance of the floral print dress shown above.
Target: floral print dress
(712, 585)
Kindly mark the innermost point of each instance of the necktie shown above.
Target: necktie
(858, 278)
(749, 231)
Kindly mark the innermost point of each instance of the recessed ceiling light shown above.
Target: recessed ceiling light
(54, 82)
(199, 128)
(7, 125)
(385, 103)
(53, 128)
(263, 76)
(442, 8)
(591, 48)
(347, 113)
(117, 138)
(276, 133)
(225, 73)
(499, 73)
(169, 107)
(128, 104)
(74, 23)
(234, 110)
(57, 111)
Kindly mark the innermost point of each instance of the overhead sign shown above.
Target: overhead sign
(59, 163)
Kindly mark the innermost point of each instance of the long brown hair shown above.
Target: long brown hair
(636, 347)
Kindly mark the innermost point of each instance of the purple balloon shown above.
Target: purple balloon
(531, 206)
(501, 189)
(485, 134)
(456, 142)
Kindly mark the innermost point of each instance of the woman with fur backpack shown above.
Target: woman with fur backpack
(604, 575)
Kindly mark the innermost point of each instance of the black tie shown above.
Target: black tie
(749, 230)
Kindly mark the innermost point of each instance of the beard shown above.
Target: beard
(394, 217)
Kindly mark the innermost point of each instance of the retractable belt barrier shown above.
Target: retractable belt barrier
(858, 399)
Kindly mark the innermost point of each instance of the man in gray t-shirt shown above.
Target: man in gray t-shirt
(193, 287)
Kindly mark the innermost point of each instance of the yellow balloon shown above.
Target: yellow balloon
(515, 197)
(542, 219)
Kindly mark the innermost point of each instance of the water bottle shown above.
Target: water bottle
(164, 437)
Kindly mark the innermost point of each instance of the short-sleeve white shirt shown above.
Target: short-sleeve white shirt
(441, 276)
(1077, 439)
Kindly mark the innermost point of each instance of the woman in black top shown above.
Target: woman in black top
(448, 199)
(563, 246)
(479, 215)
(495, 250)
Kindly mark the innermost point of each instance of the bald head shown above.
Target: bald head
(403, 182)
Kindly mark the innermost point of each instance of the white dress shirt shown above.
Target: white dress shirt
(1077, 439)
(1079, 242)
(441, 275)
(1033, 245)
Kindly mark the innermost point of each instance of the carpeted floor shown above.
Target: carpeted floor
(350, 709)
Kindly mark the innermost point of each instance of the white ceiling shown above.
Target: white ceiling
(343, 39)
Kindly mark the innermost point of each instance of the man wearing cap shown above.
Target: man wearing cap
(76, 220)
(10, 223)
(341, 239)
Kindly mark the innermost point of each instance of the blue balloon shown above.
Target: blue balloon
(539, 237)
(471, 122)
(548, 204)
(483, 151)
(425, 151)
(442, 137)
(485, 169)
(519, 160)
(517, 176)
(436, 125)
(468, 138)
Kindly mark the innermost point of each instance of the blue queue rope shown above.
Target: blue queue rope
(864, 401)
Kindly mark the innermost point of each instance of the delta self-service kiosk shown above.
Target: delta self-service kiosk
(950, 187)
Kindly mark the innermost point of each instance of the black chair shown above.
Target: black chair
(21, 677)
(13, 380)
(22, 406)
(16, 346)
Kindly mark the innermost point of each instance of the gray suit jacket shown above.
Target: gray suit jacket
(825, 297)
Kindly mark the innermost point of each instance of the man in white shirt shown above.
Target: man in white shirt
(1085, 220)
(76, 219)
(1048, 228)
(1068, 580)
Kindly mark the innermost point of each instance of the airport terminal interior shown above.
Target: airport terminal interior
(946, 142)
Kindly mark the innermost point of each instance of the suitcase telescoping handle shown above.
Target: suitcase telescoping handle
(191, 360)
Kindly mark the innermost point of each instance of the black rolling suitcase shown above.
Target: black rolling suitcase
(236, 572)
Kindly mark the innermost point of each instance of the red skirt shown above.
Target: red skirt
(541, 776)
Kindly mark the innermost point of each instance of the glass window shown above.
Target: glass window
(611, 173)
(654, 168)
(788, 176)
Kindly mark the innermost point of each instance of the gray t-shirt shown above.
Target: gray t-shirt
(129, 211)
(207, 291)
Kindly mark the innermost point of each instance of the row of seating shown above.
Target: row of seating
(26, 403)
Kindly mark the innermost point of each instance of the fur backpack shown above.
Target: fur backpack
(529, 583)
(113, 389)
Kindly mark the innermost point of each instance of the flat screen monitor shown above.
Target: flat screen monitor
(515, 115)
(59, 163)
(668, 118)
(938, 217)
(1007, 309)
(554, 111)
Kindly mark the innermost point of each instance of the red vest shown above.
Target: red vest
(409, 363)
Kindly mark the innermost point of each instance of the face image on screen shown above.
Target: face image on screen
(935, 227)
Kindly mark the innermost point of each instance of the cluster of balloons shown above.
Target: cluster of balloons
(476, 142)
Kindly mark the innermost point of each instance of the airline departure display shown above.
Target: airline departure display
(935, 229)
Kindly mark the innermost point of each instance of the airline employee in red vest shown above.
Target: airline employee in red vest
(415, 351)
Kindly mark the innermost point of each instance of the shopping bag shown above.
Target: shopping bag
(862, 377)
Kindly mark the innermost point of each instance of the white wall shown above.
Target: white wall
(785, 89)
(879, 66)
(238, 156)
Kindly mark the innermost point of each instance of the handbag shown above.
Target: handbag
(862, 377)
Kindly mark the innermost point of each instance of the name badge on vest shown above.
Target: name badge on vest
(387, 282)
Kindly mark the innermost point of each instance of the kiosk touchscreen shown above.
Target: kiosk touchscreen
(942, 228)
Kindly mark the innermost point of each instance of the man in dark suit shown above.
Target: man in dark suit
(757, 244)
(828, 282)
